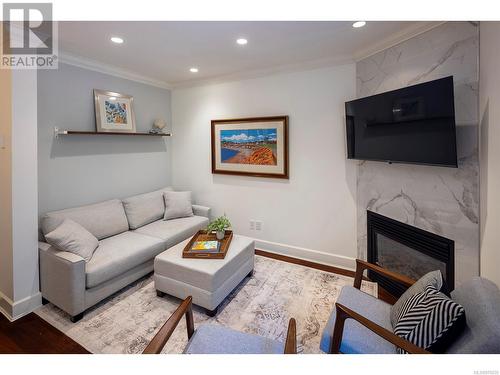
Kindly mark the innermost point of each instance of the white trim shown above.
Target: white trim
(15, 310)
(6, 306)
(97, 66)
(398, 38)
(328, 259)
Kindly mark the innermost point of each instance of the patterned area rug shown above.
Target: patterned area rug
(262, 305)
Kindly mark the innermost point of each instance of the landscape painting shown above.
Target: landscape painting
(249, 146)
(253, 146)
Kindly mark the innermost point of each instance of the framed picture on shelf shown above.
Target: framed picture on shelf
(251, 146)
(114, 112)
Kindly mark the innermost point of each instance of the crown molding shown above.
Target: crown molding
(82, 62)
(257, 73)
(410, 32)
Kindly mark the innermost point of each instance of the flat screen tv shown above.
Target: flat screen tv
(415, 125)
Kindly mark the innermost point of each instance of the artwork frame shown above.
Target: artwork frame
(114, 112)
(254, 146)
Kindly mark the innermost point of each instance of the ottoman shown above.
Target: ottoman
(208, 281)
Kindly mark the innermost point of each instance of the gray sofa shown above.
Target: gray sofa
(131, 232)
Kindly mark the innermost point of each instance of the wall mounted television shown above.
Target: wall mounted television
(414, 125)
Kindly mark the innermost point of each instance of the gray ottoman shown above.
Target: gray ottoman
(208, 281)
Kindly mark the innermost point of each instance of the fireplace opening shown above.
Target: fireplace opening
(408, 250)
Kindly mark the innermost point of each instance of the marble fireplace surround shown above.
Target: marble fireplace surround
(444, 201)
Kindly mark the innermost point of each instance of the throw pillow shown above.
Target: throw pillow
(72, 237)
(430, 320)
(177, 204)
(433, 278)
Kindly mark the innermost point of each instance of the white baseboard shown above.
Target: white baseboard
(311, 255)
(15, 310)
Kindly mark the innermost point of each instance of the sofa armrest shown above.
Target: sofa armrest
(62, 278)
(201, 210)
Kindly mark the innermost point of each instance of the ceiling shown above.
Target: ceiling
(163, 52)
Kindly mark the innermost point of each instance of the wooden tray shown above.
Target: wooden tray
(203, 236)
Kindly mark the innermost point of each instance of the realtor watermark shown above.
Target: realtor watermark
(29, 37)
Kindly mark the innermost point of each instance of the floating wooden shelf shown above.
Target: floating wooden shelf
(58, 132)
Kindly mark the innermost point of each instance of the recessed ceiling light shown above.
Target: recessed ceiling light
(112, 98)
(193, 70)
(359, 24)
(117, 40)
(241, 41)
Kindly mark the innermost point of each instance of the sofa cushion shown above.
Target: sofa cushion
(174, 231)
(103, 219)
(73, 238)
(178, 204)
(481, 301)
(358, 339)
(145, 208)
(433, 278)
(216, 339)
(118, 254)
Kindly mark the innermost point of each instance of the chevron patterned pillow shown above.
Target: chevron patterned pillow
(430, 320)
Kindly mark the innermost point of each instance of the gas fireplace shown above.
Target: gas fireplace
(408, 250)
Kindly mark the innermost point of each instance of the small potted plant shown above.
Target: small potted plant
(219, 225)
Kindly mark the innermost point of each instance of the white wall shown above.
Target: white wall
(312, 215)
(489, 103)
(6, 279)
(25, 191)
(23, 293)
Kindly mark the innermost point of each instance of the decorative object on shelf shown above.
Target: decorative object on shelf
(219, 225)
(251, 146)
(158, 126)
(114, 112)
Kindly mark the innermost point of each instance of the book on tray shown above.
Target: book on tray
(206, 246)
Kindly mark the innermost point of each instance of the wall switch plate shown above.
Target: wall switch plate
(258, 225)
(252, 224)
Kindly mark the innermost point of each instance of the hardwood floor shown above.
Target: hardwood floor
(33, 335)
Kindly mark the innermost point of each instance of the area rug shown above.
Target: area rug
(262, 305)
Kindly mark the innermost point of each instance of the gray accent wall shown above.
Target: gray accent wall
(78, 170)
(441, 200)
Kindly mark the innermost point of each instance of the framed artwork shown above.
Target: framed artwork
(114, 112)
(251, 146)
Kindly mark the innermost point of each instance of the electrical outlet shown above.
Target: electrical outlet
(252, 224)
(258, 225)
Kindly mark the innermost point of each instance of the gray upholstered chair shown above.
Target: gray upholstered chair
(361, 323)
(216, 339)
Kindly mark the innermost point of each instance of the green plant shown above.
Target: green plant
(219, 224)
